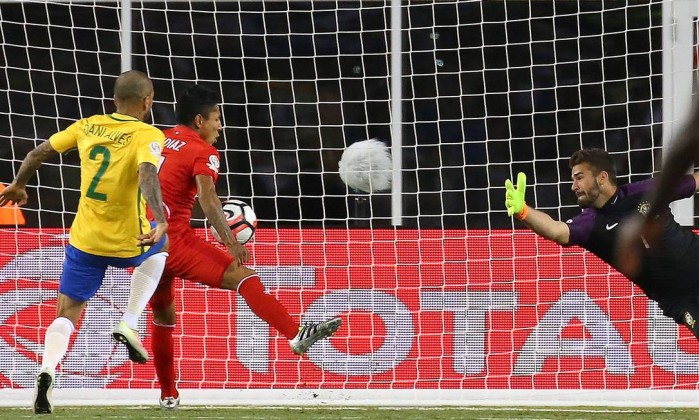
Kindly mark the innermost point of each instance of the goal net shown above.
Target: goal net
(455, 304)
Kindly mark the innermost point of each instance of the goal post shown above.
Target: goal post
(445, 300)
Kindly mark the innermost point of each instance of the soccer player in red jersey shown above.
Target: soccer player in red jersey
(189, 167)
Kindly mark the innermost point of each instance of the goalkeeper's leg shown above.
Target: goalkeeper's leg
(685, 311)
(690, 318)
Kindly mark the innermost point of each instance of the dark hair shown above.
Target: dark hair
(598, 159)
(193, 101)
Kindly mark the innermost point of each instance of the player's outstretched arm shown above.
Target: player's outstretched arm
(211, 205)
(538, 221)
(150, 188)
(17, 191)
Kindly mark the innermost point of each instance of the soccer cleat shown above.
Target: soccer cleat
(42, 398)
(169, 403)
(310, 333)
(128, 337)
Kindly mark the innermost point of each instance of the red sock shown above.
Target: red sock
(163, 359)
(267, 307)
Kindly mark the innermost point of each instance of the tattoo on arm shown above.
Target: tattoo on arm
(33, 161)
(150, 188)
(216, 217)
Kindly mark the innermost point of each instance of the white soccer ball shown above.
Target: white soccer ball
(241, 219)
(366, 166)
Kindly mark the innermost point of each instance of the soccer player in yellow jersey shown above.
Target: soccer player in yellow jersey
(119, 154)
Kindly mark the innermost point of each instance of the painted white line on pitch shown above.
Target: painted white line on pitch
(403, 408)
(514, 418)
(443, 408)
(566, 410)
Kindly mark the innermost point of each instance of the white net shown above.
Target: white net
(452, 300)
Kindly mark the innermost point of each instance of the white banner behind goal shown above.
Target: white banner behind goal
(454, 306)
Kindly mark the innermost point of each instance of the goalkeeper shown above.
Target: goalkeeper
(664, 270)
(647, 230)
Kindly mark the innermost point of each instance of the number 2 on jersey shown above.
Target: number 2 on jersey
(91, 191)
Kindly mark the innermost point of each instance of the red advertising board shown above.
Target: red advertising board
(433, 309)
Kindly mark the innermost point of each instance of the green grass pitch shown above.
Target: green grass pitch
(355, 413)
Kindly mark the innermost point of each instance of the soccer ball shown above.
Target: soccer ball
(366, 166)
(241, 219)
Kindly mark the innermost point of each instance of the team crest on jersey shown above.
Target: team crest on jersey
(213, 164)
(155, 149)
(643, 207)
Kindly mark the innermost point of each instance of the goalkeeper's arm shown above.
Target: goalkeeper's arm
(538, 221)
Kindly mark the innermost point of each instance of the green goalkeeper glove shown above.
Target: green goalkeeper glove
(514, 198)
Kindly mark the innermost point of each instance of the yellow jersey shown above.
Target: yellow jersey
(111, 211)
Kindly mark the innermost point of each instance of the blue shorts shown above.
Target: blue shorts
(83, 273)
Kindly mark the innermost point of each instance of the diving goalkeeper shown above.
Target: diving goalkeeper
(664, 269)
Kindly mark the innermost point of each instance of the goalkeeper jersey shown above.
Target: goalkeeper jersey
(666, 268)
(111, 211)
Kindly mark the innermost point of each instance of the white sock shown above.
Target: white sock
(144, 281)
(56, 342)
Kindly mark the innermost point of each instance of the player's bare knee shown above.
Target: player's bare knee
(233, 275)
(69, 308)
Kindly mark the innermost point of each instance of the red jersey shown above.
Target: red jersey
(184, 156)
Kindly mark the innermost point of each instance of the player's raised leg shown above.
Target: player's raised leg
(148, 268)
(312, 332)
(194, 259)
(144, 281)
(269, 309)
